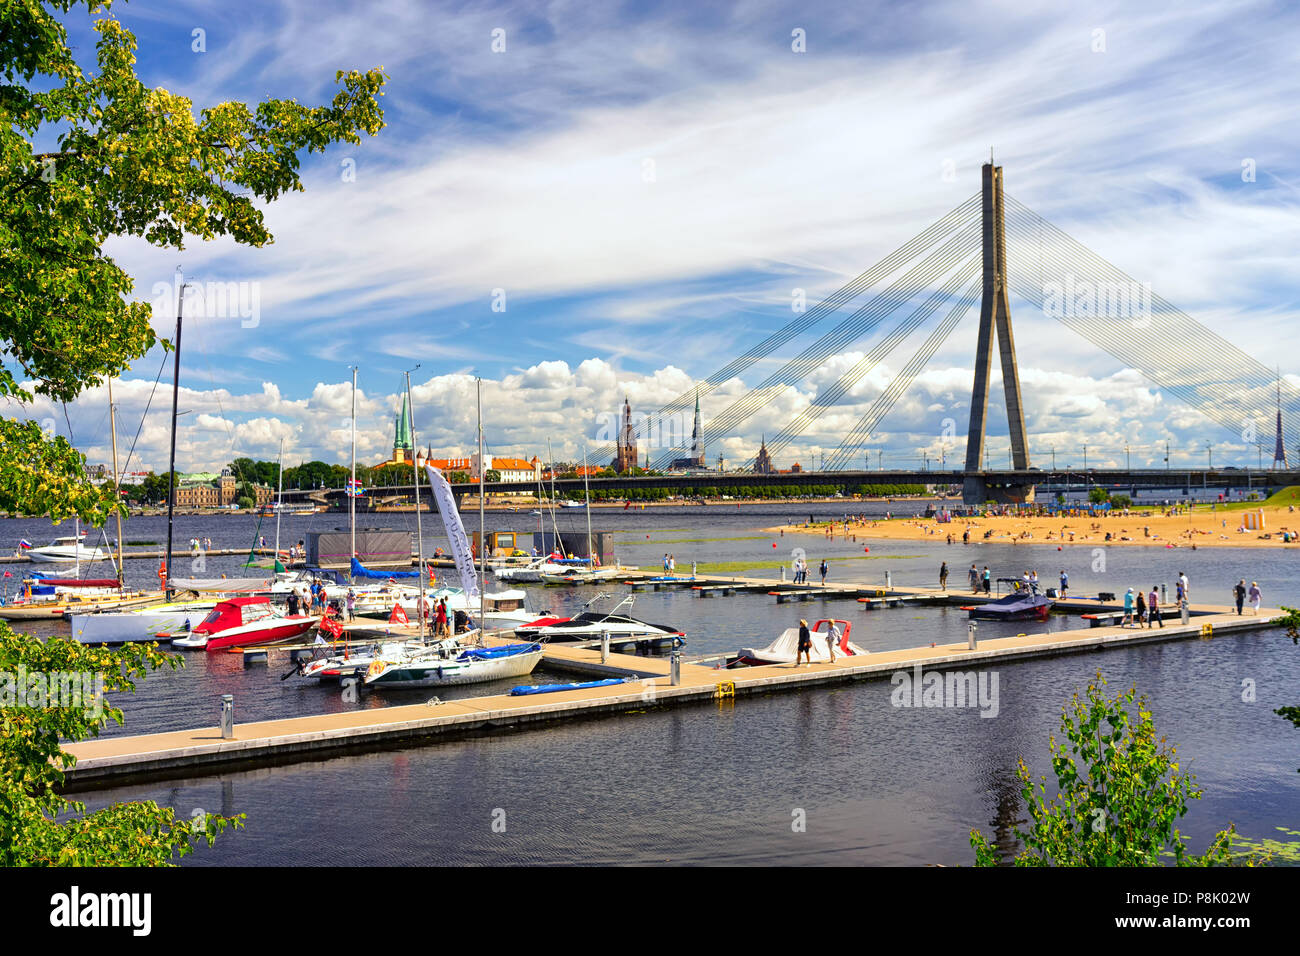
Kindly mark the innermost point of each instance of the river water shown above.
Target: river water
(872, 783)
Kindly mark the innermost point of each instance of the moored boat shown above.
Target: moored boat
(1014, 607)
(244, 622)
(785, 649)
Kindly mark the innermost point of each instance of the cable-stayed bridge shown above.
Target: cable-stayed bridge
(984, 249)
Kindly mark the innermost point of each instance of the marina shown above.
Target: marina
(649, 682)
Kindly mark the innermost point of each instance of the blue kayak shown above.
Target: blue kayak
(527, 689)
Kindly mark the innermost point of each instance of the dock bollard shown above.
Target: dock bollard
(227, 716)
(1185, 611)
(971, 642)
(783, 574)
(675, 668)
(604, 647)
(889, 581)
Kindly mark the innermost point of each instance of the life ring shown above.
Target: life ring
(375, 669)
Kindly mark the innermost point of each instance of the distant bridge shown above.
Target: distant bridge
(1112, 479)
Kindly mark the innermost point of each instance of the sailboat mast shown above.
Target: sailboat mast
(482, 520)
(586, 491)
(352, 486)
(117, 484)
(554, 527)
(171, 462)
(279, 507)
(415, 469)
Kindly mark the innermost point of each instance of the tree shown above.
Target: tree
(1098, 495)
(36, 716)
(1120, 794)
(130, 162)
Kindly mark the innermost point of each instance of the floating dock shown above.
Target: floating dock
(190, 753)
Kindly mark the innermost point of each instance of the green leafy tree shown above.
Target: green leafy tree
(130, 161)
(1098, 496)
(40, 827)
(1120, 793)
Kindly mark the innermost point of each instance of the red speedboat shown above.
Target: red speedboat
(244, 622)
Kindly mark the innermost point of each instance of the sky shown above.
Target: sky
(580, 203)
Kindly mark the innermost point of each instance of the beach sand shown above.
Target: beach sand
(1147, 528)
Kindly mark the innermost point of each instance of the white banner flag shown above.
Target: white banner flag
(460, 547)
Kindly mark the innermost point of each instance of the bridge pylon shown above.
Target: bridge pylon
(995, 316)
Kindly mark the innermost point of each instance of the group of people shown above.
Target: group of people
(200, 544)
(805, 642)
(1240, 593)
(801, 570)
(311, 599)
(978, 582)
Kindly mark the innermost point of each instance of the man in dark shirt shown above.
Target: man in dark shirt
(1239, 592)
(805, 644)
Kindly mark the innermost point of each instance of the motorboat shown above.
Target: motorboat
(593, 625)
(66, 550)
(155, 623)
(500, 608)
(244, 622)
(785, 649)
(1018, 606)
(449, 663)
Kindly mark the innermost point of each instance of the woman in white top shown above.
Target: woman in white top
(1255, 596)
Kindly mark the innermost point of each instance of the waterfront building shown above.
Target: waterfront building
(763, 463)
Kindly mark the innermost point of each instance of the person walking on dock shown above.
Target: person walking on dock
(805, 644)
(823, 569)
(1128, 609)
(1239, 593)
(1141, 610)
(988, 580)
(293, 603)
(1184, 587)
(974, 579)
(352, 604)
(1065, 583)
(1255, 595)
(1153, 608)
(943, 576)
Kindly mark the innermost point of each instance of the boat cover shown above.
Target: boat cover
(359, 570)
(1011, 607)
(786, 647)
(493, 653)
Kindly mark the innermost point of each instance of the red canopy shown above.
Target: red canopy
(80, 582)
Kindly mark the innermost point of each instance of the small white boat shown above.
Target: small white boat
(449, 663)
(65, 550)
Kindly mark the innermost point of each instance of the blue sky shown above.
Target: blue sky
(644, 185)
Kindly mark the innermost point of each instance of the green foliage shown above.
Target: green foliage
(130, 161)
(32, 765)
(245, 502)
(1098, 495)
(1120, 793)
(1121, 502)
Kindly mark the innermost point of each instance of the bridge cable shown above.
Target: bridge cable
(1141, 345)
(909, 250)
(884, 403)
(829, 397)
(852, 328)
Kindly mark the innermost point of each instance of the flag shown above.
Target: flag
(398, 616)
(24, 543)
(353, 488)
(460, 548)
(331, 627)
(9, 574)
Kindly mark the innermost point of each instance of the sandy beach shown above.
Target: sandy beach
(1153, 528)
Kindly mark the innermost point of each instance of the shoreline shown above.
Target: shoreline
(1192, 531)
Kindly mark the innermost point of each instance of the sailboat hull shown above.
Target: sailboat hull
(444, 673)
